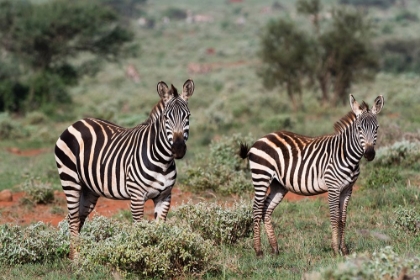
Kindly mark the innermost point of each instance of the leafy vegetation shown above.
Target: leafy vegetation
(220, 170)
(290, 55)
(47, 39)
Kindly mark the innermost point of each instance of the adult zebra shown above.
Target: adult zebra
(97, 158)
(284, 161)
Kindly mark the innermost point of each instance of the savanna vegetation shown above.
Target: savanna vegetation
(220, 45)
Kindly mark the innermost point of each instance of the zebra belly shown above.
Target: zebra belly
(306, 186)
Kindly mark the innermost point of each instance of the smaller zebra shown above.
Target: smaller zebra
(284, 161)
(97, 158)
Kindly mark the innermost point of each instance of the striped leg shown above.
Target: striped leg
(137, 207)
(344, 200)
(334, 203)
(162, 207)
(277, 192)
(88, 201)
(258, 208)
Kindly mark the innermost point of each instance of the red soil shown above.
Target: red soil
(17, 213)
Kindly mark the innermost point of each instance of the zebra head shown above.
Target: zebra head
(366, 124)
(176, 115)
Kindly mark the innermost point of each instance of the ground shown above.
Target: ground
(16, 212)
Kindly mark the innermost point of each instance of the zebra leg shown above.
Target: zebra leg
(258, 208)
(162, 205)
(88, 201)
(137, 207)
(73, 203)
(344, 200)
(277, 192)
(334, 203)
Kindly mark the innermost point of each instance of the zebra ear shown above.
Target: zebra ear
(163, 91)
(187, 90)
(355, 106)
(378, 105)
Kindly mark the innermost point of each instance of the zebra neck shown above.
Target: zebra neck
(349, 145)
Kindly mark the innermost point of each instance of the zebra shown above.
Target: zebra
(284, 161)
(97, 158)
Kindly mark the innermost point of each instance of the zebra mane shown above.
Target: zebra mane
(174, 91)
(348, 119)
(159, 107)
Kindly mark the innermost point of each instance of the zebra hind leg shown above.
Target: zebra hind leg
(88, 201)
(261, 188)
(277, 192)
(73, 202)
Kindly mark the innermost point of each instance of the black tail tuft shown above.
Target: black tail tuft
(243, 152)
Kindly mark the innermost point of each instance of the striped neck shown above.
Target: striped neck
(348, 138)
(160, 146)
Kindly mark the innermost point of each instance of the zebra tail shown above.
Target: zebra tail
(243, 151)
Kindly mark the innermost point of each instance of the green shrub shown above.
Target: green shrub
(175, 13)
(408, 220)
(36, 243)
(10, 129)
(158, 250)
(220, 169)
(400, 154)
(228, 225)
(383, 177)
(385, 264)
(37, 192)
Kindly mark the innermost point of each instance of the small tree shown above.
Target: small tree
(45, 40)
(337, 56)
(288, 55)
(347, 53)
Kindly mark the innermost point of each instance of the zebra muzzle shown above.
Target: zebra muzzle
(370, 152)
(179, 148)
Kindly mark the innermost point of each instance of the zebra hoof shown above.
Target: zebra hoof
(344, 251)
(259, 254)
(275, 251)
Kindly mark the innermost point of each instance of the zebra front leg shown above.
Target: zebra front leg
(162, 205)
(137, 207)
(334, 203)
(277, 192)
(344, 200)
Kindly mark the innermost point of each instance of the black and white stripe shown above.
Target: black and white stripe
(284, 161)
(98, 158)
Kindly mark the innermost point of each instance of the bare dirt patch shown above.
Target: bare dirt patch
(17, 213)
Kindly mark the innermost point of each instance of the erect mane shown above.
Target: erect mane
(157, 110)
(345, 122)
(348, 119)
(174, 91)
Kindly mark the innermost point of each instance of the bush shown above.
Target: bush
(400, 55)
(228, 225)
(156, 250)
(220, 169)
(383, 178)
(385, 264)
(37, 192)
(400, 154)
(36, 243)
(10, 129)
(408, 220)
